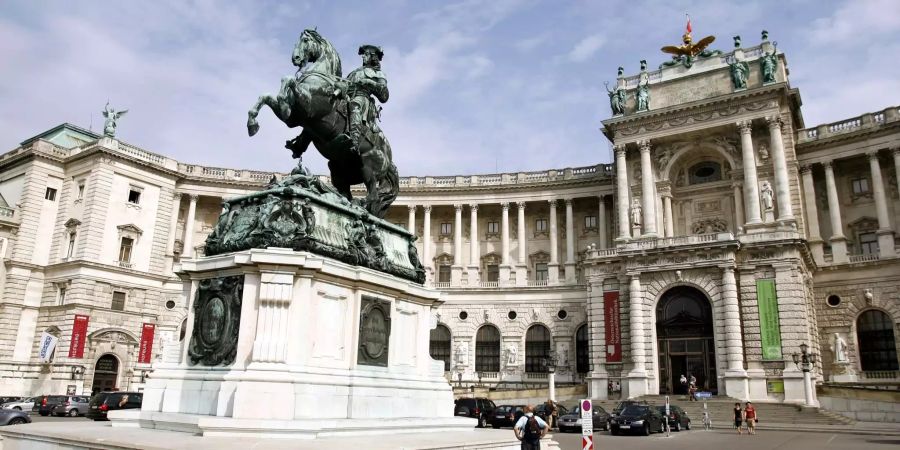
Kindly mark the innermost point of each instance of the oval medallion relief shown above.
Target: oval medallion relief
(375, 333)
(212, 321)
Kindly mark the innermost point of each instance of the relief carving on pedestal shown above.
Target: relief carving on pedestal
(217, 319)
(374, 332)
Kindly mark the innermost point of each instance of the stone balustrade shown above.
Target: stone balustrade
(7, 212)
(862, 122)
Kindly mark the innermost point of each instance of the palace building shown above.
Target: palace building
(725, 234)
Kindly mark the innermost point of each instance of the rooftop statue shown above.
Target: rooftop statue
(109, 126)
(688, 51)
(339, 117)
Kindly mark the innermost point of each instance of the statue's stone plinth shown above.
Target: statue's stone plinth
(288, 343)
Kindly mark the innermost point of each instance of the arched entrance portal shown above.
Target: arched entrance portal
(106, 374)
(684, 329)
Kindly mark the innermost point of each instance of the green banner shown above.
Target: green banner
(769, 328)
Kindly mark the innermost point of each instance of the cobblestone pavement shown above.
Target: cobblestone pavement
(721, 439)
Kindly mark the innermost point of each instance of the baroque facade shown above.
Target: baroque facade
(724, 235)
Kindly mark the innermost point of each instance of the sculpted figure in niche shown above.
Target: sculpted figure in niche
(767, 196)
(462, 351)
(763, 152)
(636, 212)
(512, 355)
(840, 348)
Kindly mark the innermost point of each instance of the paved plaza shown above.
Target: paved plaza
(722, 439)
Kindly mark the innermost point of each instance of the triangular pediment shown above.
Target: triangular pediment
(130, 228)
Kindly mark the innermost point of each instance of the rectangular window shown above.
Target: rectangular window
(50, 194)
(62, 295)
(868, 244)
(125, 249)
(444, 274)
(860, 186)
(540, 271)
(446, 229)
(540, 225)
(590, 222)
(80, 190)
(493, 273)
(118, 301)
(493, 227)
(71, 249)
(134, 196)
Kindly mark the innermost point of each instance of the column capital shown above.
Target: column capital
(896, 152)
(745, 126)
(774, 121)
(505, 206)
(828, 165)
(805, 168)
(619, 150)
(521, 204)
(644, 145)
(412, 208)
(473, 207)
(426, 208)
(457, 207)
(177, 195)
(737, 185)
(872, 154)
(193, 197)
(568, 202)
(552, 203)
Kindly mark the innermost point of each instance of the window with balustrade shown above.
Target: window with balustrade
(541, 273)
(875, 335)
(446, 229)
(590, 223)
(125, 247)
(487, 349)
(439, 345)
(493, 273)
(493, 229)
(537, 349)
(859, 186)
(540, 225)
(444, 273)
(868, 244)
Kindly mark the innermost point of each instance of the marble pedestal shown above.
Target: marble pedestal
(322, 348)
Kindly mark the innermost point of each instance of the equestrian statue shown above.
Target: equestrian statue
(339, 117)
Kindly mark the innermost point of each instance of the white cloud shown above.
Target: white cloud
(586, 47)
(856, 22)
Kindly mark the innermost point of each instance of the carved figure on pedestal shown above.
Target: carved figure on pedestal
(617, 99)
(839, 346)
(767, 196)
(740, 70)
(512, 355)
(636, 213)
(462, 352)
(763, 152)
(768, 64)
(643, 96)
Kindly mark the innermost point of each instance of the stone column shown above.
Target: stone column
(648, 191)
(838, 241)
(411, 227)
(553, 267)
(456, 269)
(622, 195)
(173, 226)
(570, 242)
(505, 268)
(598, 378)
(522, 266)
(896, 153)
(779, 161)
(751, 183)
(668, 221)
(426, 242)
(474, 250)
(812, 215)
(601, 223)
(885, 233)
(735, 377)
(738, 208)
(637, 377)
(189, 227)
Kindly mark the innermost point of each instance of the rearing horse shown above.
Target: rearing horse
(316, 100)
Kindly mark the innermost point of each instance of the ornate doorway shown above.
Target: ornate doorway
(106, 374)
(684, 331)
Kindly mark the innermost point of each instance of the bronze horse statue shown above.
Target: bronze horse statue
(316, 99)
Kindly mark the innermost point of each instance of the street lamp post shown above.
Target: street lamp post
(550, 364)
(805, 362)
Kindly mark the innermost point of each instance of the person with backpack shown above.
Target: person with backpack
(530, 429)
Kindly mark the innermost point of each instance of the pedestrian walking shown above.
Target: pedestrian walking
(750, 417)
(530, 429)
(739, 418)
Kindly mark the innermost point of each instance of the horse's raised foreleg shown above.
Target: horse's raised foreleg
(279, 104)
(252, 124)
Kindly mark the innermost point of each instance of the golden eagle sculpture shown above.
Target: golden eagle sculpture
(688, 50)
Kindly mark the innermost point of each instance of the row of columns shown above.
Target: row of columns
(506, 265)
(748, 205)
(838, 240)
(188, 250)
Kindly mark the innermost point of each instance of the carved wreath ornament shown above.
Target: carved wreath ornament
(217, 319)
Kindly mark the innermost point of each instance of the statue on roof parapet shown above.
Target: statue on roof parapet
(112, 116)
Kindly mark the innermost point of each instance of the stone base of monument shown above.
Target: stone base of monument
(288, 343)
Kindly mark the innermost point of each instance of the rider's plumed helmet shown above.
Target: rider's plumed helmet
(368, 47)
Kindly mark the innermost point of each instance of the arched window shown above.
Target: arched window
(705, 172)
(439, 345)
(537, 348)
(875, 334)
(582, 363)
(487, 349)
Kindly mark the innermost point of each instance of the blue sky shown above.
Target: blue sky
(476, 86)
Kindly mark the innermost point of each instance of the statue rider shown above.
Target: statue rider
(365, 82)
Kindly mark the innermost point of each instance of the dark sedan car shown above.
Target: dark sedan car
(678, 419)
(13, 417)
(479, 408)
(45, 404)
(572, 420)
(104, 402)
(640, 419)
(506, 415)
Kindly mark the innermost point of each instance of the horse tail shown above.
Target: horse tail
(388, 187)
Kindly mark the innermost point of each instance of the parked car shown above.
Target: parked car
(73, 406)
(642, 419)
(22, 405)
(44, 404)
(572, 420)
(506, 415)
(624, 404)
(105, 402)
(9, 399)
(678, 418)
(13, 417)
(479, 408)
(541, 411)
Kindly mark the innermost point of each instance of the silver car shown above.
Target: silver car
(72, 406)
(24, 405)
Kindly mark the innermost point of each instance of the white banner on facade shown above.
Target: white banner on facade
(48, 343)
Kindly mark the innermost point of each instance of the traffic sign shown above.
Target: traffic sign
(587, 443)
(587, 420)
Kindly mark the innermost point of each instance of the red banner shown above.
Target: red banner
(79, 334)
(613, 326)
(146, 351)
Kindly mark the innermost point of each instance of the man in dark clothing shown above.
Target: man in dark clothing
(530, 429)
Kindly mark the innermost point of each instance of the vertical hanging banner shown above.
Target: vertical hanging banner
(613, 326)
(146, 350)
(79, 334)
(769, 327)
